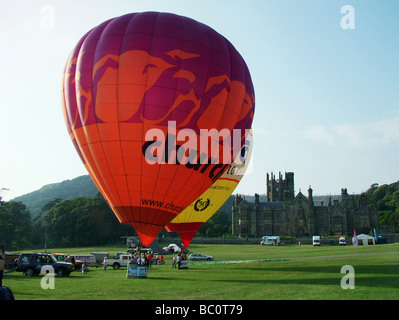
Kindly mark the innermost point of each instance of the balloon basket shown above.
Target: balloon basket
(135, 271)
(183, 265)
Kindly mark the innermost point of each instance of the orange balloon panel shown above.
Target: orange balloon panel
(151, 101)
(203, 208)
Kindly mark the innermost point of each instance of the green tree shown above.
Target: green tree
(386, 199)
(15, 224)
(84, 221)
(218, 225)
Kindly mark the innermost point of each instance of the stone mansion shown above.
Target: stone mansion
(287, 214)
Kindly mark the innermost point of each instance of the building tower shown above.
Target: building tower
(280, 189)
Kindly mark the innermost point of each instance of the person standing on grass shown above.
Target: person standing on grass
(2, 268)
(85, 269)
(174, 261)
(179, 258)
(105, 264)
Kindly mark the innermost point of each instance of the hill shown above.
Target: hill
(81, 186)
(384, 197)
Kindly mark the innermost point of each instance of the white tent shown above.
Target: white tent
(364, 239)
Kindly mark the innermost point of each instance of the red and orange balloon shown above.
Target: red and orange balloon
(137, 91)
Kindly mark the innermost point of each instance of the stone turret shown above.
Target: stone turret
(280, 189)
(310, 194)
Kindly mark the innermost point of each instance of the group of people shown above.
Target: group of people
(177, 259)
(72, 260)
(141, 260)
(147, 259)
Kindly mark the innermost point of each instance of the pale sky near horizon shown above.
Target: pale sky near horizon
(327, 98)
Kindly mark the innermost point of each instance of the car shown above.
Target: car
(200, 256)
(61, 257)
(31, 264)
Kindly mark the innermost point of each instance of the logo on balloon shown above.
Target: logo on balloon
(201, 205)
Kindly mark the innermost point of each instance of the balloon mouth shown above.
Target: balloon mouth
(186, 238)
(147, 233)
(186, 230)
(147, 222)
(183, 226)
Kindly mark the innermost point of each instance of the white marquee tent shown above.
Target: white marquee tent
(364, 239)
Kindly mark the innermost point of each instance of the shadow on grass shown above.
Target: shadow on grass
(386, 282)
(374, 269)
(386, 276)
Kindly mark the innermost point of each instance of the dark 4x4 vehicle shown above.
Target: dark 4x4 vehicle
(32, 263)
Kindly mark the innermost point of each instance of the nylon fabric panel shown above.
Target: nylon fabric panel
(153, 72)
(207, 204)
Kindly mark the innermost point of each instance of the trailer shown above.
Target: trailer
(270, 240)
(99, 256)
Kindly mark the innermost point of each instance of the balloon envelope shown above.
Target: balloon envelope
(140, 91)
(202, 209)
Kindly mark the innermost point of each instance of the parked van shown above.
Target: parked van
(316, 240)
(270, 240)
(342, 241)
(88, 258)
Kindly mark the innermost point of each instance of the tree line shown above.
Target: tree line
(89, 221)
(386, 199)
(83, 221)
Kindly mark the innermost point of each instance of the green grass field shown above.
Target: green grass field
(239, 272)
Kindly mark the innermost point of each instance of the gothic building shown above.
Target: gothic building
(285, 213)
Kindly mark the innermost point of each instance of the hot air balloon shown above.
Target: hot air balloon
(187, 223)
(152, 102)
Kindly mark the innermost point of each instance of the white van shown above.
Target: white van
(316, 240)
(342, 241)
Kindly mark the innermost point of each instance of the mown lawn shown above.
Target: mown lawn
(239, 272)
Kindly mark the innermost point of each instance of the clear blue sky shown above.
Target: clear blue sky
(327, 98)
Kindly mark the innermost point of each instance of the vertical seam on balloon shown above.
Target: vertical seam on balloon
(65, 106)
(144, 119)
(230, 46)
(153, 220)
(95, 179)
(101, 145)
(119, 129)
(170, 117)
(197, 116)
(204, 180)
(230, 77)
(142, 214)
(101, 186)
